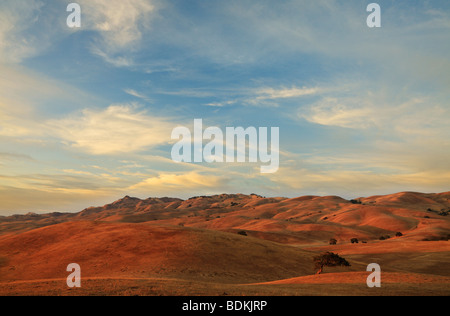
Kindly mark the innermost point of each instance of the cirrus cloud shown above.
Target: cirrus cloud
(114, 130)
(120, 26)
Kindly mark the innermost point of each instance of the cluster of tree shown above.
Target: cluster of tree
(441, 212)
(333, 241)
(397, 234)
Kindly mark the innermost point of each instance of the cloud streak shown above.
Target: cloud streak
(120, 26)
(16, 18)
(118, 129)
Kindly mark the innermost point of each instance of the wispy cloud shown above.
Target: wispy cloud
(382, 107)
(120, 25)
(284, 93)
(115, 130)
(16, 18)
(344, 112)
(263, 96)
(113, 58)
(136, 94)
(221, 104)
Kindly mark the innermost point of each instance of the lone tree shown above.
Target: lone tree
(329, 259)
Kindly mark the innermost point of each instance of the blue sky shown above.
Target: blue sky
(87, 113)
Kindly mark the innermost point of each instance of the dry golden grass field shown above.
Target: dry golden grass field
(232, 245)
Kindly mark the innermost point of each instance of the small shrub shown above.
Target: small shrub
(398, 234)
(333, 241)
(242, 232)
(354, 240)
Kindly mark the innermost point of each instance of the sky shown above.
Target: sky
(87, 113)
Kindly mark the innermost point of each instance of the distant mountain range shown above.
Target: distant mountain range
(302, 220)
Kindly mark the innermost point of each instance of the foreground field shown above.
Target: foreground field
(336, 284)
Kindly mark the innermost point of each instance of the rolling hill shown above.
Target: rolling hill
(230, 243)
